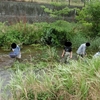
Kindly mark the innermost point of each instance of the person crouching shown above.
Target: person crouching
(15, 51)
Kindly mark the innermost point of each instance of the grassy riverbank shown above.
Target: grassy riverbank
(45, 80)
(42, 76)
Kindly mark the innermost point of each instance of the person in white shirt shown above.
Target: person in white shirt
(96, 55)
(82, 49)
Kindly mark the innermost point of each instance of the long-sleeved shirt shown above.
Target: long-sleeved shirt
(81, 50)
(16, 52)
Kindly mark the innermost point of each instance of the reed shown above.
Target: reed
(78, 80)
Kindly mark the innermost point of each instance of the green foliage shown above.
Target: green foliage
(77, 79)
(91, 14)
(50, 54)
(30, 95)
(21, 33)
(58, 32)
(59, 10)
(83, 89)
(54, 34)
(95, 43)
(43, 96)
(78, 39)
(22, 66)
(9, 37)
(68, 81)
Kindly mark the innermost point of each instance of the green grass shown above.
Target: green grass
(78, 80)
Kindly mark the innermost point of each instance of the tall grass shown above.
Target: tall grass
(95, 43)
(78, 80)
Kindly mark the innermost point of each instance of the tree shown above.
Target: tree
(91, 14)
(58, 10)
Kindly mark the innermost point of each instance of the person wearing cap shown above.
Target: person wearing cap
(16, 51)
(67, 52)
(82, 49)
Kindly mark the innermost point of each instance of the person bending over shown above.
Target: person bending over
(16, 53)
(82, 49)
(67, 52)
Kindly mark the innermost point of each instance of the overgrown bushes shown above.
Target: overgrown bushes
(58, 32)
(21, 33)
(54, 34)
(90, 14)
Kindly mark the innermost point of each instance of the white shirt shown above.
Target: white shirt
(81, 49)
(97, 55)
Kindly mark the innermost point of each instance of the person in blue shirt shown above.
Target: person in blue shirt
(15, 51)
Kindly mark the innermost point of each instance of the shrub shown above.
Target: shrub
(57, 33)
(90, 14)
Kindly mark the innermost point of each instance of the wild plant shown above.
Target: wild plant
(78, 80)
(50, 54)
